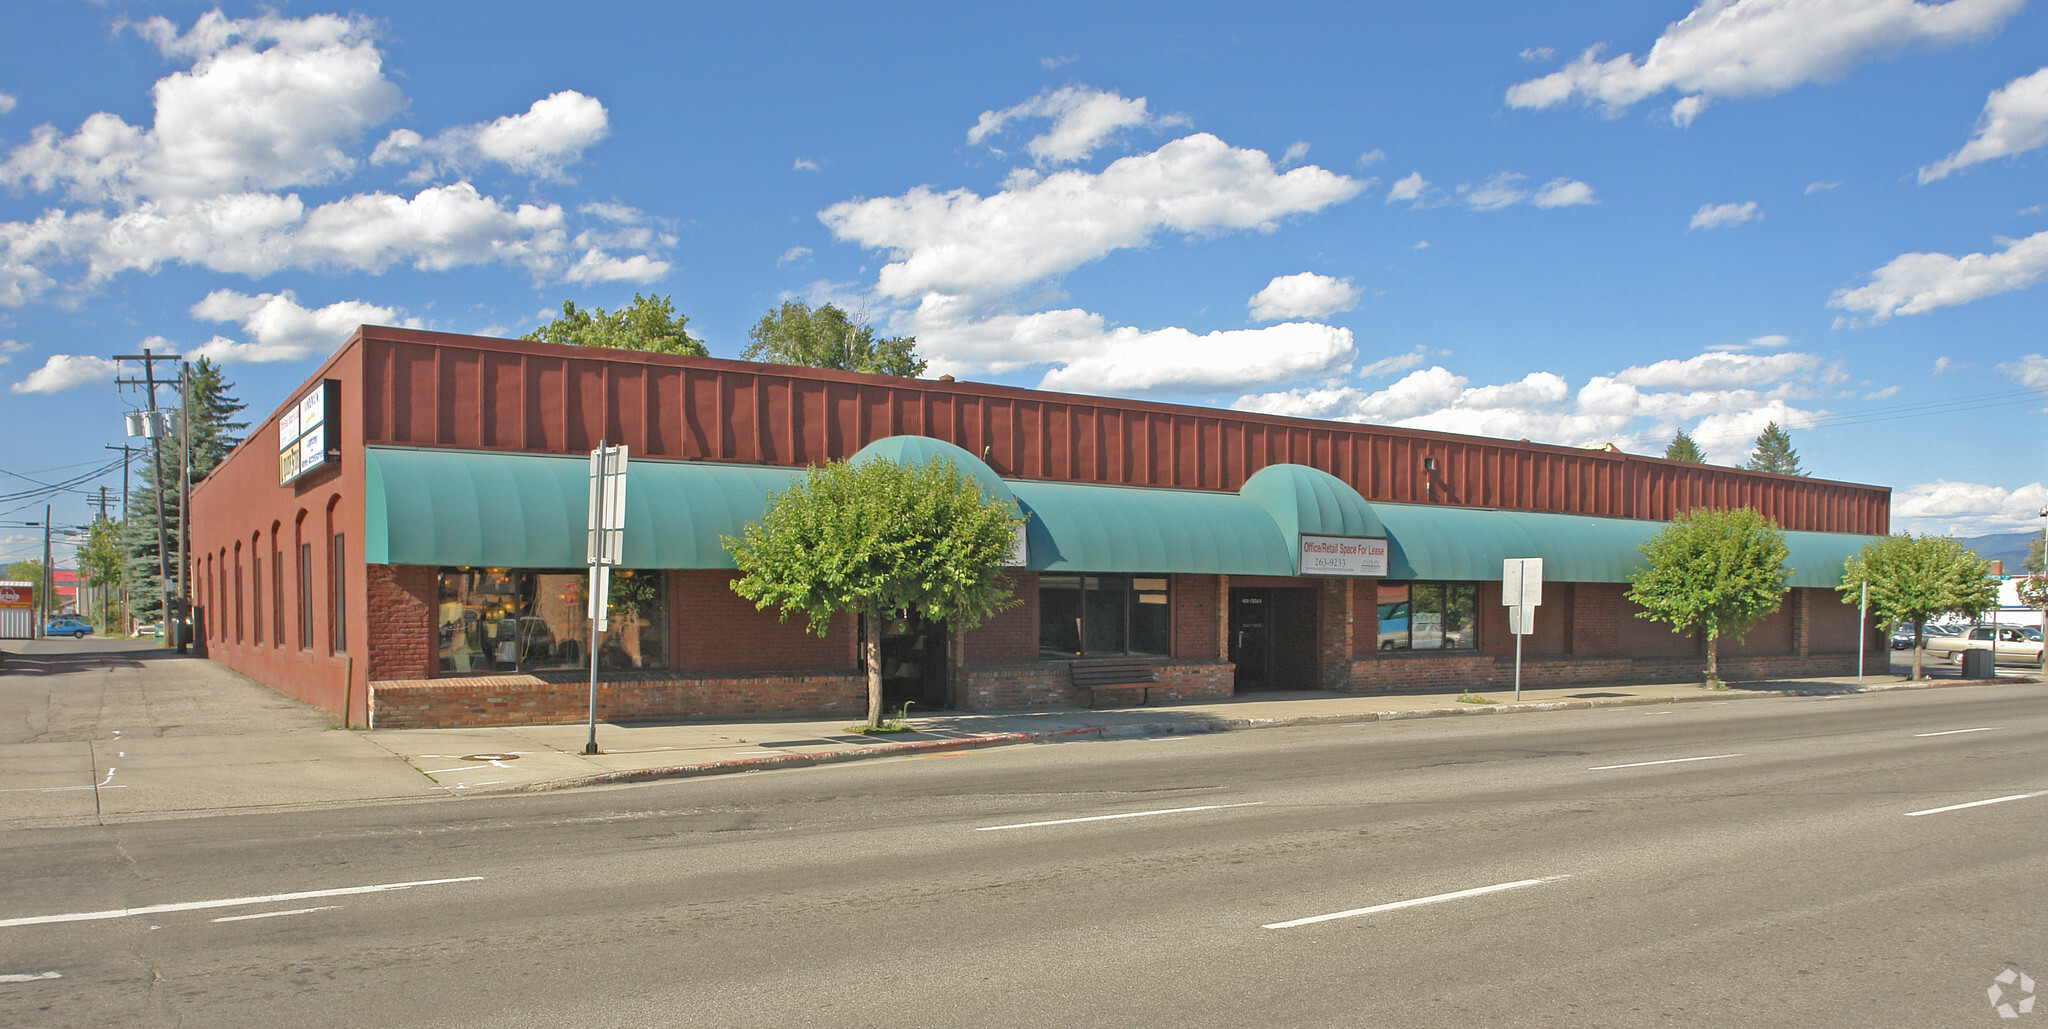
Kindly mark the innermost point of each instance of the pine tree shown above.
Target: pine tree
(213, 436)
(1774, 452)
(1683, 448)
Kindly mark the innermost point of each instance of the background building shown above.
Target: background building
(403, 541)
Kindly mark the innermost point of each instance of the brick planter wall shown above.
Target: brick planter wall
(531, 700)
(1046, 685)
(1483, 672)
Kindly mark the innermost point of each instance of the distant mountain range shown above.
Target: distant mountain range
(2009, 547)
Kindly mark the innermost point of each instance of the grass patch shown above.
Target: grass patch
(1469, 697)
(898, 722)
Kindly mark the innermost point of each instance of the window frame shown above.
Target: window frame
(1137, 592)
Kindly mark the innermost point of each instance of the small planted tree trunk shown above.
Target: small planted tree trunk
(873, 648)
(1919, 647)
(1713, 659)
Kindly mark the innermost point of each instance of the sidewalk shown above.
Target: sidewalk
(107, 731)
(550, 757)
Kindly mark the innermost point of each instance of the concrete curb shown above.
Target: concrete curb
(1189, 728)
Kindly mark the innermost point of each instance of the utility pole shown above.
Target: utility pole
(163, 556)
(185, 506)
(48, 587)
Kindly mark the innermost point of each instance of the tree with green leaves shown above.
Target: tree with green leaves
(875, 537)
(29, 571)
(827, 337)
(100, 561)
(650, 323)
(1773, 452)
(1714, 573)
(214, 435)
(1683, 448)
(2032, 564)
(1913, 578)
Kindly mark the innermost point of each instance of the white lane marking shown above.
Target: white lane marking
(464, 768)
(274, 914)
(1975, 803)
(1105, 818)
(1671, 761)
(1952, 732)
(199, 905)
(61, 789)
(30, 978)
(467, 785)
(1417, 902)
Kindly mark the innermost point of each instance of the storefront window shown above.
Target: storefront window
(1429, 615)
(508, 620)
(1102, 615)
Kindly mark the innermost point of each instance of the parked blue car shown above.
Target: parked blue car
(68, 625)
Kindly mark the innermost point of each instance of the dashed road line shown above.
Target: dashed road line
(1668, 761)
(1976, 803)
(1105, 818)
(1417, 902)
(200, 905)
(276, 914)
(1954, 732)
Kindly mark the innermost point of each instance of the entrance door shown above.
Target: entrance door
(1273, 638)
(1250, 638)
(914, 664)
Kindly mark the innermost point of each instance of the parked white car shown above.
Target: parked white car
(2017, 644)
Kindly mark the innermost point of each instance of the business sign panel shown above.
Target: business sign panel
(1344, 555)
(305, 443)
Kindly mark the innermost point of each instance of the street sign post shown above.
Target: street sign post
(1521, 589)
(604, 547)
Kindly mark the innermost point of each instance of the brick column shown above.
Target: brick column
(1334, 633)
(1223, 618)
(1802, 623)
(401, 630)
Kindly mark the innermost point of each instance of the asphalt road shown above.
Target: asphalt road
(1786, 864)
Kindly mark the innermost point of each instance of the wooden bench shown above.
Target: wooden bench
(1114, 674)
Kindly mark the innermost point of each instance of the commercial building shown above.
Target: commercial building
(403, 541)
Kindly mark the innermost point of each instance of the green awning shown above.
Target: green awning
(1430, 542)
(497, 510)
(449, 507)
(1083, 528)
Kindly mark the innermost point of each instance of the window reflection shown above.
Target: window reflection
(508, 620)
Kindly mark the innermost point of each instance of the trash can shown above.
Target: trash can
(1979, 664)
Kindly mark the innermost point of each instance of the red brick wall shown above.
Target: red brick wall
(1011, 637)
(1047, 684)
(1773, 635)
(1831, 624)
(1336, 620)
(1484, 672)
(1195, 624)
(401, 630)
(1596, 618)
(528, 700)
(1643, 637)
(718, 631)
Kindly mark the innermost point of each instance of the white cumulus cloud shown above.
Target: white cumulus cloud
(1305, 295)
(2015, 120)
(1083, 119)
(1736, 49)
(269, 107)
(277, 328)
(543, 141)
(1950, 508)
(1130, 360)
(67, 371)
(6, 103)
(1719, 216)
(1919, 283)
(1411, 187)
(962, 243)
(1722, 400)
(2030, 371)
(1563, 193)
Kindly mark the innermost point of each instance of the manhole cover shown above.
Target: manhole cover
(491, 757)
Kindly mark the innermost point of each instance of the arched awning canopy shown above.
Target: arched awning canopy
(500, 510)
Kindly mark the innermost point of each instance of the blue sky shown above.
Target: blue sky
(1573, 223)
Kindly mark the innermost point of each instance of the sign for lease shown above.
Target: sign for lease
(1343, 555)
(304, 444)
